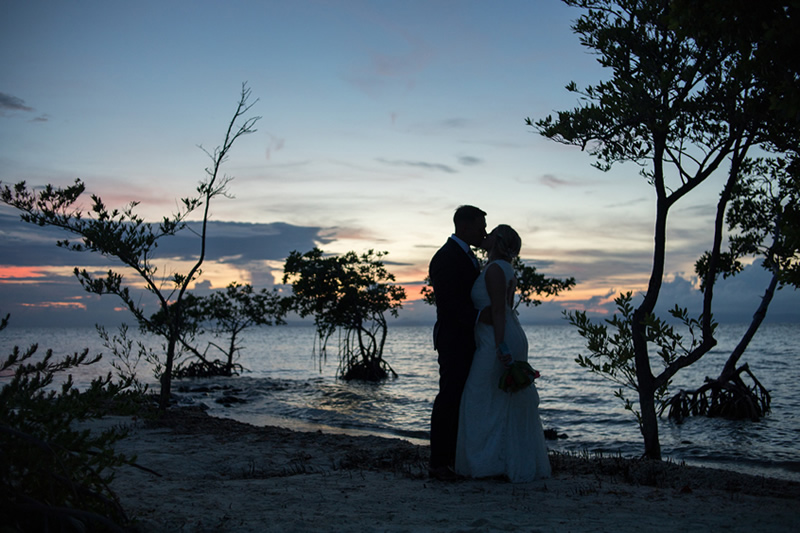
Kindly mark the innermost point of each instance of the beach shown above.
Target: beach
(200, 473)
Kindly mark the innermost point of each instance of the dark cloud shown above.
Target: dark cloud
(228, 242)
(735, 300)
(12, 103)
(597, 264)
(46, 298)
(469, 161)
(419, 164)
(234, 242)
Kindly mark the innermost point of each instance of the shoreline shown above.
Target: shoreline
(758, 470)
(217, 474)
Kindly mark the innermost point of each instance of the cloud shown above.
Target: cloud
(735, 300)
(554, 183)
(469, 161)
(383, 70)
(456, 123)
(597, 264)
(629, 203)
(37, 286)
(238, 242)
(26, 245)
(12, 103)
(57, 301)
(420, 164)
(550, 180)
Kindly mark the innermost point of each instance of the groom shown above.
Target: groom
(452, 272)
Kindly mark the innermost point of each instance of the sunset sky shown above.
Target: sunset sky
(378, 119)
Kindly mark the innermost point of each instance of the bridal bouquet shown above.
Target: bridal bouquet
(517, 376)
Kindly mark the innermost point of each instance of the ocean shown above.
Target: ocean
(287, 384)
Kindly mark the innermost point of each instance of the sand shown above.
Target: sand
(222, 475)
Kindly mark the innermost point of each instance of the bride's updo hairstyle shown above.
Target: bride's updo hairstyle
(507, 242)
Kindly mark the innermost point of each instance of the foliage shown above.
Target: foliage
(126, 237)
(127, 355)
(531, 285)
(349, 292)
(762, 200)
(612, 354)
(763, 37)
(224, 313)
(55, 475)
(763, 217)
(681, 107)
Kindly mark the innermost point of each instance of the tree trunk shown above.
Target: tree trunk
(652, 444)
(758, 318)
(166, 377)
(646, 385)
(644, 374)
(231, 351)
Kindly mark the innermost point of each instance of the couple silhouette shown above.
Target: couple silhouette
(479, 429)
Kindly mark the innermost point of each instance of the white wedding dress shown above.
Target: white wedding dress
(499, 433)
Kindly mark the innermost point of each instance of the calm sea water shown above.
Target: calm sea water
(287, 384)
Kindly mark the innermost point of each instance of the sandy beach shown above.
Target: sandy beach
(211, 474)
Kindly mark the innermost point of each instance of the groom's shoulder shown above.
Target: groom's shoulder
(446, 255)
(447, 248)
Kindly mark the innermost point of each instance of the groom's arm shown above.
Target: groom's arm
(452, 287)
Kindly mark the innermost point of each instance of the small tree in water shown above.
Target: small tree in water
(763, 221)
(352, 293)
(225, 314)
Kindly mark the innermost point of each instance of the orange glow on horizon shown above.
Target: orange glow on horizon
(20, 272)
(56, 305)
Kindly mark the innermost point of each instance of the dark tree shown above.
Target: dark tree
(351, 293)
(761, 203)
(52, 472)
(682, 108)
(226, 314)
(125, 237)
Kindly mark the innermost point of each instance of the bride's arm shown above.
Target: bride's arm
(496, 287)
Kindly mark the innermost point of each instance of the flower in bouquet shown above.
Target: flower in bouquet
(517, 376)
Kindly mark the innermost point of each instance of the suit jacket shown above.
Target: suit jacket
(452, 275)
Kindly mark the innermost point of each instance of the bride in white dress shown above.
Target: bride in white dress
(499, 433)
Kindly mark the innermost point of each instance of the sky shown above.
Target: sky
(378, 119)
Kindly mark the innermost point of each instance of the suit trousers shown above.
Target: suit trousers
(455, 360)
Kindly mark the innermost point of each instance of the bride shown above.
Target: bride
(499, 433)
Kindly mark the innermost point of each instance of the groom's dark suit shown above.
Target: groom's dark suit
(452, 273)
